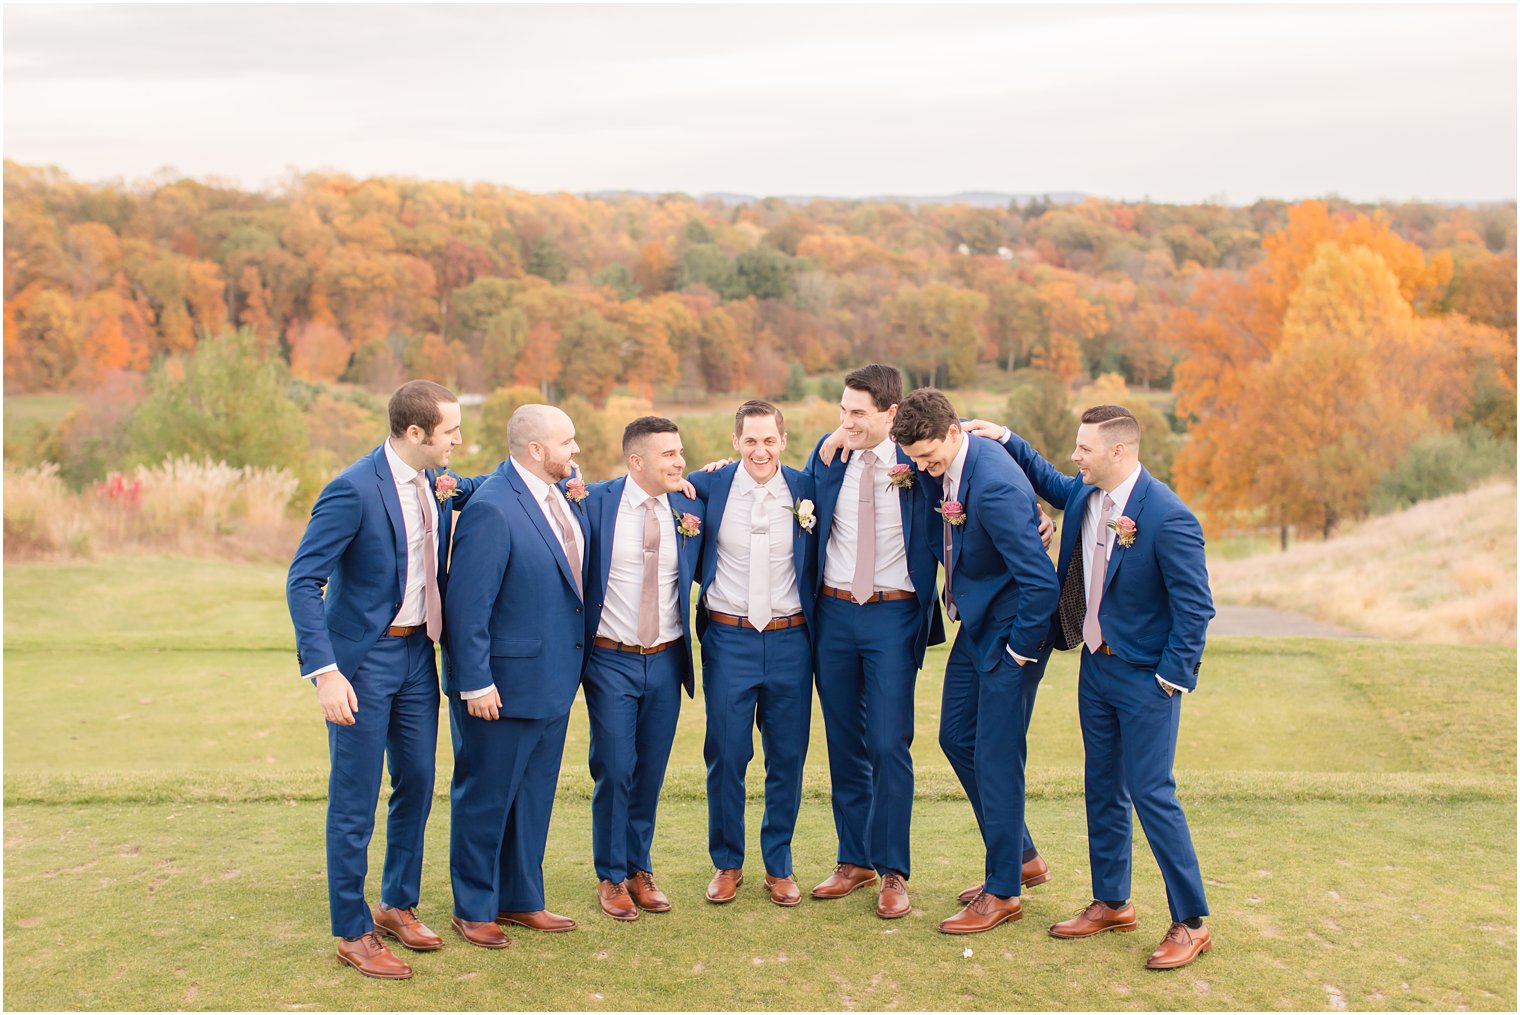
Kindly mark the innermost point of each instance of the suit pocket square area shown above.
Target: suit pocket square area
(516, 646)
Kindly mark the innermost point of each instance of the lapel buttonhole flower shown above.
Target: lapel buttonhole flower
(1124, 528)
(445, 487)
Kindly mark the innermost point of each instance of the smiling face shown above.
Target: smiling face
(656, 463)
(862, 423)
(436, 447)
(1098, 461)
(759, 446)
(557, 448)
(935, 455)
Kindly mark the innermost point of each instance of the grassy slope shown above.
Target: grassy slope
(1441, 571)
(164, 776)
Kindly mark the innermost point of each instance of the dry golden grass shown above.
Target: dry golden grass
(1442, 571)
(195, 509)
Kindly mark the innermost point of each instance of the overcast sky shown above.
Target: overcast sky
(1168, 102)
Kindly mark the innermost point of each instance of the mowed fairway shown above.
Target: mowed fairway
(1353, 806)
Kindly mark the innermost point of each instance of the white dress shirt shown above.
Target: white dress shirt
(729, 591)
(541, 492)
(413, 612)
(1090, 517)
(891, 551)
(625, 579)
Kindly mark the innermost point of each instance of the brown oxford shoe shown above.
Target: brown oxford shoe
(984, 912)
(647, 894)
(403, 925)
(479, 933)
(1034, 872)
(725, 884)
(613, 896)
(784, 891)
(543, 920)
(892, 900)
(846, 878)
(1181, 945)
(368, 954)
(1095, 919)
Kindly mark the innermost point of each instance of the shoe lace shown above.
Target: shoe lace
(1093, 910)
(616, 888)
(893, 882)
(981, 904)
(1178, 933)
(646, 880)
(372, 941)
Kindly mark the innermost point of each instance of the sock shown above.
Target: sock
(1110, 904)
(1193, 922)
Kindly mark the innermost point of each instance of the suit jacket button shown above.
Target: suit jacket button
(577, 609)
(577, 644)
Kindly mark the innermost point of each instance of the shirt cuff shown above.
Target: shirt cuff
(1007, 433)
(1167, 683)
(314, 674)
(1019, 659)
(479, 692)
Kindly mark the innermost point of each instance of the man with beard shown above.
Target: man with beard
(515, 653)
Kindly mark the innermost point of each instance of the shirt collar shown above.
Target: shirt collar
(745, 484)
(536, 486)
(399, 469)
(957, 465)
(886, 452)
(634, 495)
(1123, 490)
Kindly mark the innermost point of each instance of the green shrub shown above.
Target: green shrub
(1440, 464)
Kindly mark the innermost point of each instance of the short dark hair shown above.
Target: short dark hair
(1116, 424)
(757, 407)
(881, 381)
(643, 427)
(924, 414)
(415, 403)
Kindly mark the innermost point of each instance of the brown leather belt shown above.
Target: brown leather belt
(880, 597)
(618, 646)
(396, 631)
(1103, 648)
(779, 624)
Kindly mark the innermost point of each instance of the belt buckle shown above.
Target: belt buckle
(646, 651)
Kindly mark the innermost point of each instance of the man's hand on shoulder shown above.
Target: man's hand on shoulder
(336, 697)
(486, 706)
(984, 428)
(833, 443)
(1047, 527)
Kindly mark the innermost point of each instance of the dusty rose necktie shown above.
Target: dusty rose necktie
(1092, 633)
(567, 537)
(649, 594)
(429, 562)
(863, 584)
(949, 547)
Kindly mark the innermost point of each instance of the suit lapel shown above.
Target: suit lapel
(386, 481)
(799, 537)
(827, 483)
(607, 527)
(535, 513)
(1132, 509)
(717, 502)
(1071, 525)
(905, 498)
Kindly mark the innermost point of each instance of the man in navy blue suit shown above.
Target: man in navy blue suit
(876, 615)
(1135, 597)
(754, 617)
(645, 539)
(516, 647)
(999, 583)
(378, 540)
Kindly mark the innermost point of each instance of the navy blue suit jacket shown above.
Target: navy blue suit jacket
(355, 545)
(1156, 602)
(601, 505)
(515, 618)
(713, 489)
(1004, 584)
(919, 536)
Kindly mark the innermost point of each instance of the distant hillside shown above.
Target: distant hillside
(1442, 571)
(974, 198)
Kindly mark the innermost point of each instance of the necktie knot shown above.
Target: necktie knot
(868, 458)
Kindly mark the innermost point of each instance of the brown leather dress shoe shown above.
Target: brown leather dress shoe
(403, 925)
(846, 878)
(784, 891)
(892, 900)
(368, 954)
(647, 894)
(543, 920)
(1095, 919)
(984, 912)
(1035, 872)
(1181, 945)
(480, 933)
(725, 884)
(613, 896)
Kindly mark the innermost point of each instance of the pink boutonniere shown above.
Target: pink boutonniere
(901, 476)
(445, 487)
(688, 524)
(575, 490)
(1124, 528)
(953, 511)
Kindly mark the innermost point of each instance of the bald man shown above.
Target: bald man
(515, 648)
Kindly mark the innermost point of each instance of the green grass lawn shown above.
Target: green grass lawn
(1353, 804)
